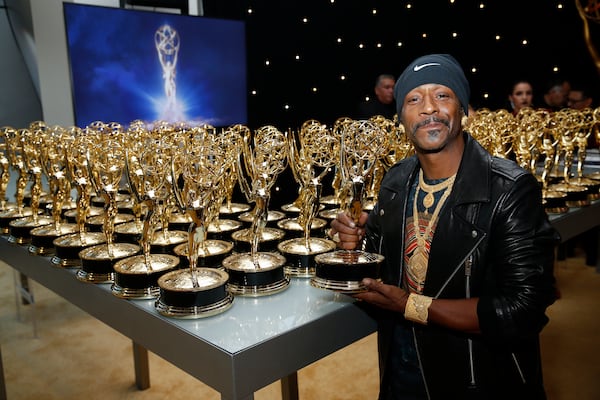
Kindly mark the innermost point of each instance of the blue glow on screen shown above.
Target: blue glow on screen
(116, 73)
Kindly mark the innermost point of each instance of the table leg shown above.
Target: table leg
(142, 370)
(26, 295)
(591, 239)
(289, 387)
(251, 397)
(597, 251)
(2, 384)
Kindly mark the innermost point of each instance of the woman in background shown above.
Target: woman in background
(521, 96)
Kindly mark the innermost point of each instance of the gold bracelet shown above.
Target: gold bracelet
(417, 308)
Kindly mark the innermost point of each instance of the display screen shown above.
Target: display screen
(128, 64)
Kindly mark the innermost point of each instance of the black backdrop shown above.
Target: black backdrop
(277, 32)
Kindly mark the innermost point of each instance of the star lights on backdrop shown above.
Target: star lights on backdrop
(320, 59)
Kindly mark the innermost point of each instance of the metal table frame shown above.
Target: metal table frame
(577, 221)
(256, 342)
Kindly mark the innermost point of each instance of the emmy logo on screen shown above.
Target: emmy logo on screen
(167, 41)
(589, 12)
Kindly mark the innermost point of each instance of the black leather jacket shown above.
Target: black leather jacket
(493, 241)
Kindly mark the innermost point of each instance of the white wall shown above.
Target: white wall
(52, 57)
(19, 101)
(20, 20)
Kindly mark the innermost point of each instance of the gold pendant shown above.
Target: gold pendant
(418, 265)
(428, 200)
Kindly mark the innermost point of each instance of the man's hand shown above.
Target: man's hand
(385, 296)
(346, 232)
(457, 314)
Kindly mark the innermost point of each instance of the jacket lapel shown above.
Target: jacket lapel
(456, 234)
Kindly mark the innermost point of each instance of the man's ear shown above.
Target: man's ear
(464, 119)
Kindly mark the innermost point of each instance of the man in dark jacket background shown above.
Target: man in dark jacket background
(383, 103)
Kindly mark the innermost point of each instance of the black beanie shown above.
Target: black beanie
(442, 69)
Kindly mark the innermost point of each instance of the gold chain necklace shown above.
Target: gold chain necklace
(417, 263)
(429, 198)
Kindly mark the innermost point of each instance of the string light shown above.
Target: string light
(315, 43)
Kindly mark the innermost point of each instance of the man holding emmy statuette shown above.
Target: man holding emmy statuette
(468, 250)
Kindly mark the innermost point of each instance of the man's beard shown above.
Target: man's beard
(433, 132)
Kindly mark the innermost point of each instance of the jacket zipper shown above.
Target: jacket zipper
(468, 265)
(420, 364)
(519, 370)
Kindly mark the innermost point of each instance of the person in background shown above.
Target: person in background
(580, 97)
(555, 94)
(383, 103)
(520, 96)
(469, 252)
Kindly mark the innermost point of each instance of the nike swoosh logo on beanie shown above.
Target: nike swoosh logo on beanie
(420, 67)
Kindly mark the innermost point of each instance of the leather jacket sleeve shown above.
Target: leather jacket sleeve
(519, 287)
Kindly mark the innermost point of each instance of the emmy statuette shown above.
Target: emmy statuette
(258, 273)
(106, 162)
(147, 159)
(197, 167)
(311, 155)
(362, 143)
